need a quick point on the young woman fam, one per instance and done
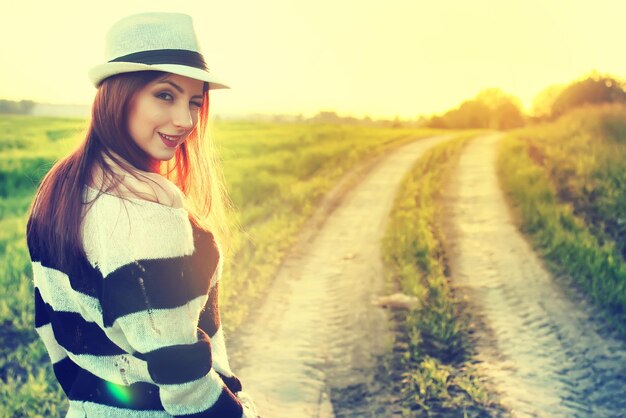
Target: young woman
(124, 235)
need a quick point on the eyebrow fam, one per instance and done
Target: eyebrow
(177, 87)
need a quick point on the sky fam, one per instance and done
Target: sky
(391, 58)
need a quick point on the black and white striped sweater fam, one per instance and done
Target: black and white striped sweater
(134, 329)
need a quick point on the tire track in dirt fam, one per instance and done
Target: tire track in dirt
(313, 347)
(541, 345)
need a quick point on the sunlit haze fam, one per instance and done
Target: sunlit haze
(377, 58)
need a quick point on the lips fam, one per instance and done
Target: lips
(171, 141)
(172, 138)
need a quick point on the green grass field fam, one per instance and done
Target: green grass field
(276, 174)
(566, 182)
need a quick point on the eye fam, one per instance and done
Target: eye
(162, 96)
(196, 104)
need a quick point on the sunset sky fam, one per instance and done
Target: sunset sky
(378, 58)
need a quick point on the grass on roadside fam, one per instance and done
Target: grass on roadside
(435, 352)
(546, 172)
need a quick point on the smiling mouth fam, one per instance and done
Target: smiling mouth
(171, 138)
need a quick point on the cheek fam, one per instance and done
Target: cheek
(147, 120)
(152, 113)
(155, 118)
(196, 117)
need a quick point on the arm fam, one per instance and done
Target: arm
(164, 334)
(211, 324)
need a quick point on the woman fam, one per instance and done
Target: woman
(123, 236)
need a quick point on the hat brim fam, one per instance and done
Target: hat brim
(102, 71)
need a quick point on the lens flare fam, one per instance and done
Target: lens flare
(120, 393)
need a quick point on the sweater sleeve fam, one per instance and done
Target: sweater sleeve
(148, 295)
(210, 324)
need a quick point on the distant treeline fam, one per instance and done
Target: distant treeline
(489, 109)
(24, 107)
(495, 109)
(333, 118)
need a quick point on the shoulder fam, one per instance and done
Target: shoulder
(139, 184)
(153, 187)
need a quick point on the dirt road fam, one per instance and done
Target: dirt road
(546, 352)
(312, 347)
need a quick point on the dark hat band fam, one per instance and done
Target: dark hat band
(166, 56)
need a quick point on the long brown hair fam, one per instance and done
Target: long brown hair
(56, 211)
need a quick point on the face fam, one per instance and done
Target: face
(163, 113)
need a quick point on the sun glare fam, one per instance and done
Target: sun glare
(400, 58)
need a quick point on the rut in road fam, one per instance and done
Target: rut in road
(543, 347)
(312, 348)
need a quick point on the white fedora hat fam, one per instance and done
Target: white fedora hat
(157, 42)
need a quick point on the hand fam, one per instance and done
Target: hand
(247, 401)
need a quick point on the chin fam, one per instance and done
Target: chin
(162, 157)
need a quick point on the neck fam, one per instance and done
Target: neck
(117, 173)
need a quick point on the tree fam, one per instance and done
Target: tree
(491, 108)
(471, 114)
(594, 89)
(505, 109)
(542, 105)
(21, 107)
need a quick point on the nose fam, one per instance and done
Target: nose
(183, 117)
